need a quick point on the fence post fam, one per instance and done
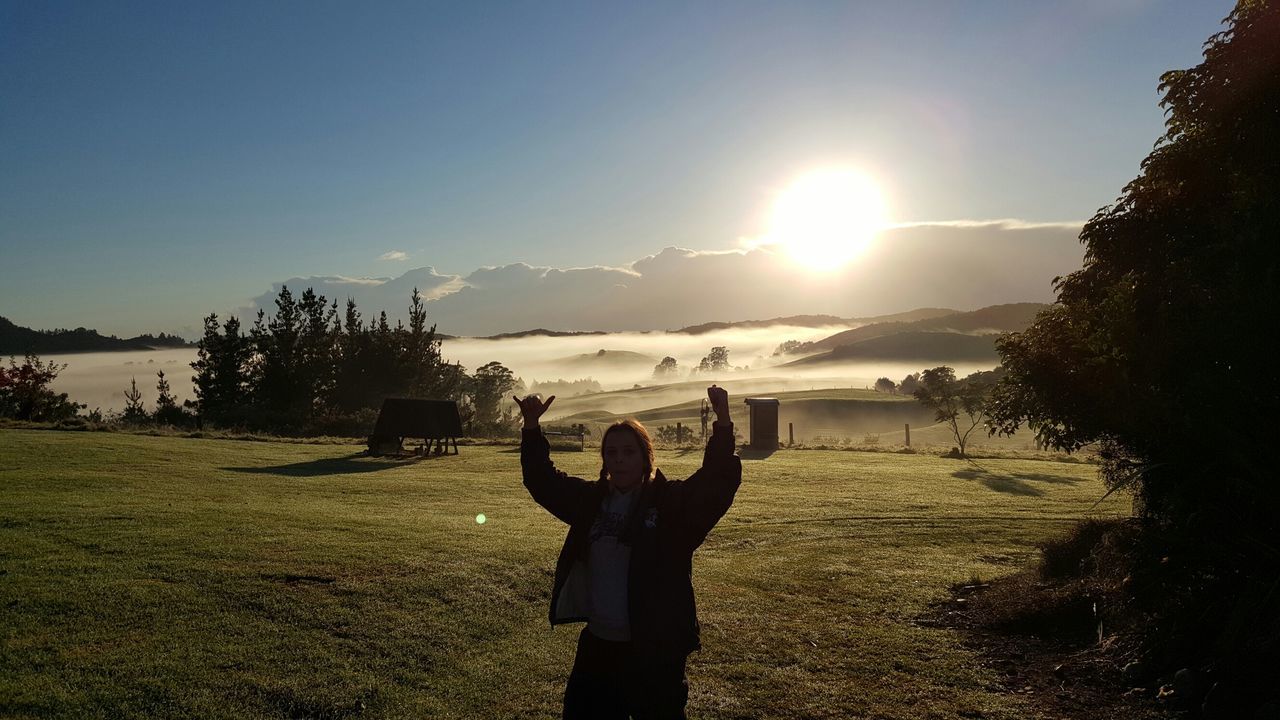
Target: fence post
(908, 428)
(791, 434)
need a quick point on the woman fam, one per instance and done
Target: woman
(626, 565)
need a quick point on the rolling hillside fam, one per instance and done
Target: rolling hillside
(18, 340)
(821, 320)
(917, 346)
(832, 411)
(1013, 317)
(605, 360)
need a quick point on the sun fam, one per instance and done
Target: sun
(827, 218)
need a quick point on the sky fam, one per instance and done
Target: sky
(569, 165)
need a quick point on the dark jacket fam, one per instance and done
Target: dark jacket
(669, 521)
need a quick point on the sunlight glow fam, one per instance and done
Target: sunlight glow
(827, 218)
(480, 519)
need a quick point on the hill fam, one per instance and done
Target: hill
(605, 360)
(18, 340)
(819, 321)
(911, 346)
(812, 413)
(539, 332)
(639, 399)
(1013, 317)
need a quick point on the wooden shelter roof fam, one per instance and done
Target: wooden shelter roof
(414, 418)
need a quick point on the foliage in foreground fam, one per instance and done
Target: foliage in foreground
(1160, 330)
(25, 393)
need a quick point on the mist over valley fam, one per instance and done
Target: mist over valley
(823, 374)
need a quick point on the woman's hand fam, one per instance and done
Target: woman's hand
(531, 408)
(719, 398)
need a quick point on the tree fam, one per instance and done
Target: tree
(909, 384)
(348, 392)
(425, 368)
(492, 383)
(788, 346)
(25, 392)
(1153, 352)
(317, 371)
(134, 412)
(961, 404)
(665, 369)
(222, 373)
(715, 361)
(884, 384)
(1158, 330)
(565, 388)
(168, 412)
(278, 381)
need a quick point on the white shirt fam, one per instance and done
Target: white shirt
(608, 561)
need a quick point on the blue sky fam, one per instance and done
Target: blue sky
(159, 161)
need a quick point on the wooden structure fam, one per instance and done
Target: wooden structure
(578, 431)
(432, 421)
(763, 413)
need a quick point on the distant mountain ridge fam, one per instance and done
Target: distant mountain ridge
(537, 332)
(967, 336)
(922, 346)
(18, 340)
(1012, 317)
(820, 320)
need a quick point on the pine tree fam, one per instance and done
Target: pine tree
(278, 386)
(167, 410)
(134, 413)
(222, 365)
(423, 362)
(349, 387)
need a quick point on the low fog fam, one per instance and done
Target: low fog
(100, 379)
(751, 357)
(543, 358)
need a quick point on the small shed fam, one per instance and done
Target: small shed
(763, 414)
(432, 421)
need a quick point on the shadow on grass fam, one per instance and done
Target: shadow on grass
(747, 453)
(352, 464)
(1018, 483)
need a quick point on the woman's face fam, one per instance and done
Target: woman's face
(623, 460)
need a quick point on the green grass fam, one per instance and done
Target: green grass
(173, 577)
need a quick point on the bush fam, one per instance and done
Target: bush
(355, 424)
(1073, 555)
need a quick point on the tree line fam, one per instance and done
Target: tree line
(310, 369)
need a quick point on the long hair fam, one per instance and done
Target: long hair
(642, 439)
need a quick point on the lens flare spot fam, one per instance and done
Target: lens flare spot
(480, 519)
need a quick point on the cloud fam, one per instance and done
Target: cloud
(962, 265)
(394, 255)
(371, 294)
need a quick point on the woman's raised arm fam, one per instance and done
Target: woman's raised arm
(550, 487)
(709, 491)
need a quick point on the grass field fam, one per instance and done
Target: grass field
(172, 577)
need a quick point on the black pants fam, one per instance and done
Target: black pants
(610, 680)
